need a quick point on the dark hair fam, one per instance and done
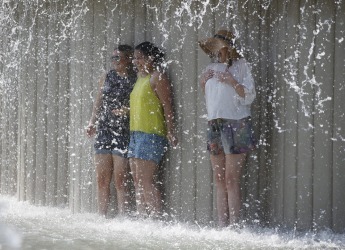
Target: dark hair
(126, 49)
(150, 50)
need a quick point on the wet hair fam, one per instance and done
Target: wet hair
(157, 54)
(125, 49)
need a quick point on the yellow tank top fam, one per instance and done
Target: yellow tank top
(146, 110)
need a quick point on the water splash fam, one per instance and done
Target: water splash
(44, 227)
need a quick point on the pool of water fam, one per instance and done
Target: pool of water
(24, 226)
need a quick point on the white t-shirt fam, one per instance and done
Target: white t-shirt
(222, 101)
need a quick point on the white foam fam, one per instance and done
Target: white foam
(55, 228)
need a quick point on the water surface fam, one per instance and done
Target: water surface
(24, 226)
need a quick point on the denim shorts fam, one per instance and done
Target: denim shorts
(230, 136)
(150, 147)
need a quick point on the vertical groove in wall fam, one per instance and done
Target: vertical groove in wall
(8, 99)
(291, 111)
(204, 177)
(279, 116)
(263, 130)
(174, 168)
(21, 146)
(332, 118)
(323, 113)
(297, 62)
(31, 109)
(312, 110)
(41, 106)
(339, 119)
(271, 22)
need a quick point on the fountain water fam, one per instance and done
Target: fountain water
(56, 228)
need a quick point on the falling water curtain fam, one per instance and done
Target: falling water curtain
(53, 52)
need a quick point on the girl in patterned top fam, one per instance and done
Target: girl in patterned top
(110, 123)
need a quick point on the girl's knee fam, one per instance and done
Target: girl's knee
(103, 182)
(148, 184)
(120, 182)
(232, 181)
(220, 181)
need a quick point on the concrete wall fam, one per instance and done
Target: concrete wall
(52, 55)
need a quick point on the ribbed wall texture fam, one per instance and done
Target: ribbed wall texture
(53, 53)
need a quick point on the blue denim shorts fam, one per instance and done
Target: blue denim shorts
(230, 136)
(148, 147)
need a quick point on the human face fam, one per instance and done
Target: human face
(142, 62)
(120, 61)
(223, 55)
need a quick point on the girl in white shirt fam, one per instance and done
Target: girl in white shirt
(229, 91)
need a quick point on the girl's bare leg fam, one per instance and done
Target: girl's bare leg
(218, 165)
(139, 196)
(121, 178)
(145, 171)
(234, 164)
(104, 171)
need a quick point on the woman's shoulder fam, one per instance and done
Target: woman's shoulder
(158, 76)
(242, 62)
(159, 79)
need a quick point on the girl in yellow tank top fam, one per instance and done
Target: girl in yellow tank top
(151, 126)
(147, 114)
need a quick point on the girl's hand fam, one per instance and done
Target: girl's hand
(120, 112)
(225, 77)
(90, 130)
(172, 139)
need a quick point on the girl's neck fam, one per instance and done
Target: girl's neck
(143, 74)
(231, 61)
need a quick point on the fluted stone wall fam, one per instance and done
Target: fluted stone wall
(53, 52)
